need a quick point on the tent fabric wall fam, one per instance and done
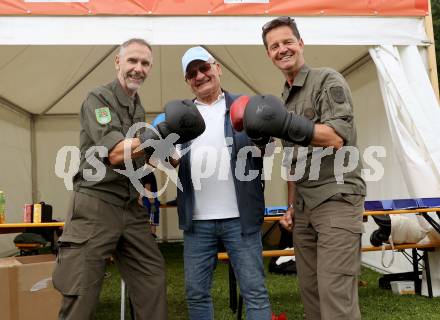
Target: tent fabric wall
(373, 130)
(53, 133)
(412, 112)
(15, 168)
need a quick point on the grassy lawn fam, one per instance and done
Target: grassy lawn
(375, 303)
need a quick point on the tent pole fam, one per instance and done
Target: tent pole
(432, 65)
(346, 71)
(57, 115)
(224, 64)
(85, 75)
(161, 77)
(5, 103)
(33, 161)
(14, 107)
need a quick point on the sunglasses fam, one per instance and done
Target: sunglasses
(203, 68)
(278, 21)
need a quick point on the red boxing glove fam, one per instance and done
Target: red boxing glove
(237, 112)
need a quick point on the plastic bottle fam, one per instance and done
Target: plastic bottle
(2, 207)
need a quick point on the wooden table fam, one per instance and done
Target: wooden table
(21, 227)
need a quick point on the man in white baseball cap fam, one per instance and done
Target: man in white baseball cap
(221, 208)
(195, 53)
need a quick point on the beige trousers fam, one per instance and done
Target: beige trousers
(327, 243)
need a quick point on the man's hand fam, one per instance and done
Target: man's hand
(287, 221)
(174, 160)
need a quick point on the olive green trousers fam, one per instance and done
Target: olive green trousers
(95, 231)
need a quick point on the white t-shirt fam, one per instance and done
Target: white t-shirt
(211, 174)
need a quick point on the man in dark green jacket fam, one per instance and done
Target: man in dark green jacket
(105, 219)
(325, 204)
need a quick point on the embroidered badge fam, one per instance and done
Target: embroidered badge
(338, 94)
(103, 115)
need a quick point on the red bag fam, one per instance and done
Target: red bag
(281, 316)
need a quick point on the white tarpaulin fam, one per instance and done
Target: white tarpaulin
(413, 112)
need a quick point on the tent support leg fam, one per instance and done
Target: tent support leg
(33, 161)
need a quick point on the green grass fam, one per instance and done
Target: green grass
(375, 303)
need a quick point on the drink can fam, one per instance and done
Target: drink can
(37, 213)
(27, 213)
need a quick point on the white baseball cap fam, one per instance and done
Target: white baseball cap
(195, 53)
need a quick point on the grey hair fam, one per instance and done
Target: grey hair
(131, 41)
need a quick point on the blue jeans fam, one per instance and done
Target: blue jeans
(200, 260)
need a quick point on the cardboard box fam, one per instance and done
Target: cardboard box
(403, 287)
(26, 290)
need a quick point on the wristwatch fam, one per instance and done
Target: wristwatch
(290, 206)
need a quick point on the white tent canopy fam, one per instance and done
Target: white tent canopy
(47, 65)
(216, 30)
(73, 61)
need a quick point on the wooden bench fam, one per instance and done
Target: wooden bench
(397, 247)
(415, 247)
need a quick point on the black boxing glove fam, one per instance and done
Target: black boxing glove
(382, 234)
(266, 116)
(180, 117)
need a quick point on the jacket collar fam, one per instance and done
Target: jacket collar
(122, 97)
(299, 81)
(228, 99)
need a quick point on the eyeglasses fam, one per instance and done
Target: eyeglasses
(278, 21)
(203, 68)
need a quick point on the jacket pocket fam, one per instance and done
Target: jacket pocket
(347, 223)
(345, 255)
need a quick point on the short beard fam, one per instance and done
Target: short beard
(134, 86)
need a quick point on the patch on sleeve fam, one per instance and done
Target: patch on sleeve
(338, 94)
(103, 115)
